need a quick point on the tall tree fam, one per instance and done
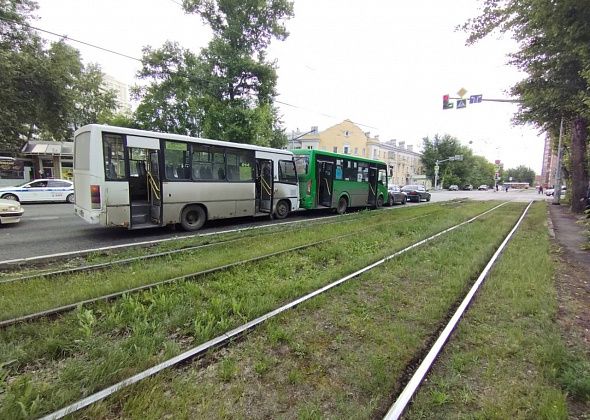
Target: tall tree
(521, 174)
(238, 81)
(44, 92)
(554, 51)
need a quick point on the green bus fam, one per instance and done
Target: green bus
(336, 181)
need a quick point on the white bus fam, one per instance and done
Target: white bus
(139, 179)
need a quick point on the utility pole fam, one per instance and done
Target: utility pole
(557, 186)
(436, 167)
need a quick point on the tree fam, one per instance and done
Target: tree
(554, 51)
(43, 91)
(227, 91)
(521, 174)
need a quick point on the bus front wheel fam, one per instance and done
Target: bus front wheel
(379, 202)
(342, 205)
(192, 218)
(282, 209)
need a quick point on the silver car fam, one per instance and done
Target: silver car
(40, 190)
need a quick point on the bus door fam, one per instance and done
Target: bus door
(372, 199)
(264, 185)
(154, 186)
(325, 179)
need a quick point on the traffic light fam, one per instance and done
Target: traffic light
(446, 103)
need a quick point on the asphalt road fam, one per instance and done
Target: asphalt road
(47, 229)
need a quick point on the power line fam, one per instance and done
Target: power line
(66, 37)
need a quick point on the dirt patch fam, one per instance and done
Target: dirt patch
(573, 284)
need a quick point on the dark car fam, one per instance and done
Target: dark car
(416, 193)
(396, 195)
(468, 187)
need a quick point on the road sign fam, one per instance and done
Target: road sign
(462, 92)
(461, 103)
(475, 99)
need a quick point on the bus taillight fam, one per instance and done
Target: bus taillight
(95, 196)
(309, 187)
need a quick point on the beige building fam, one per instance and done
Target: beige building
(121, 91)
(404, 164)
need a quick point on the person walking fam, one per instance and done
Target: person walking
(540, 189)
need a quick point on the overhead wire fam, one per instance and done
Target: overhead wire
(66, 37)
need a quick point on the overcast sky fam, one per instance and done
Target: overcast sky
(383, 64)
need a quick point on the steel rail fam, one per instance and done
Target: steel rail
(190, 276)
(397, 409)
(6, 263)
(97, 266)
(224, 338)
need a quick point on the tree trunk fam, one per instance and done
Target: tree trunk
(579, 171)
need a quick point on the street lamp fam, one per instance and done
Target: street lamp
(436, 167)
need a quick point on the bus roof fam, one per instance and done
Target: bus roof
(171, 136)
(335, 155)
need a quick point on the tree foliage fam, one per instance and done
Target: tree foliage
(227, 91)
(554, 52)
(520, 174)
(44, 91)
(474, 170)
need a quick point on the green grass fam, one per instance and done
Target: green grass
(506, 358)
(97, 346)
(29, 296)
(340, 355)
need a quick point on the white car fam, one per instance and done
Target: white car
(10, 211)
(41, 190)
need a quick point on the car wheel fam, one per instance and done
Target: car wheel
(10, 197)
(192, 218)
(379, 202)
(70, 198)
(391, 201)
(282, 209)
(342, 205)
(404, 200)
(427, 198)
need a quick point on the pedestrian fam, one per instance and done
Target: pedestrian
(540, 189)
(496, 187)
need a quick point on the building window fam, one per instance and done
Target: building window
(364, 152)
(309, 147)
(356, 150)
(335, 149)
(347, 133)
(346, 149)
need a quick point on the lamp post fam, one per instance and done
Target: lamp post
(436, 167)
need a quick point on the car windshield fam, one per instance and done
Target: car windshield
(410, 187)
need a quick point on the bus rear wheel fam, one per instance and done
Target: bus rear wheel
(342, 205)
(282, 209)
(192, 218)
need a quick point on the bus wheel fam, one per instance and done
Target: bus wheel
(192, 218)
(342, 205)
(282, 209)
(379, 202)
(70, 198)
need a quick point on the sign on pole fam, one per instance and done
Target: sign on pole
(461, 103)
(475, 99)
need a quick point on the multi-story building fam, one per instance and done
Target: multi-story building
(404, 164)
(549, 168)
(121, 90)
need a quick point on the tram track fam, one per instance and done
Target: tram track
(429, 356)
(130, 260)
(236, 332)
(191, 276)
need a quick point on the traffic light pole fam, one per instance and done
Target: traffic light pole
(436, 167)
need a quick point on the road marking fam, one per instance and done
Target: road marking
(43, 218)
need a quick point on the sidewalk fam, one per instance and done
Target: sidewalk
(572, 277)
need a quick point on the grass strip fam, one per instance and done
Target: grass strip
(95, 347)
(18, 299)
(506, 358)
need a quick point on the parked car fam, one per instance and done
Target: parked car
(10, 211)
(416, 193)
(454, 188)
(550, 191)
(396, 195)
(468, 187)
(40, 190)
(483, 188)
